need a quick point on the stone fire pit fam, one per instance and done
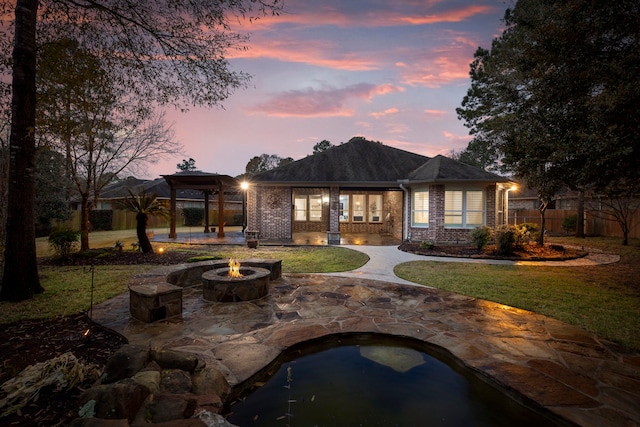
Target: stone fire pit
(218, 286)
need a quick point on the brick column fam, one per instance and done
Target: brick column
(333, 235)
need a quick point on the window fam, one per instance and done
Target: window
(344, 208)
(375, 208)
(358, 208)
(300, 208)
(361, 208)
(463, 208)
(420, 211)
(315, 208)
(307, 208)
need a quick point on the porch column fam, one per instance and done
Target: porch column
(173, 213)
(333, 235)
(206, 211)
(220, 210)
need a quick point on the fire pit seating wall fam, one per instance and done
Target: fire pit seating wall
(157, 295)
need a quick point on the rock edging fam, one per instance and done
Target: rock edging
(142, 386)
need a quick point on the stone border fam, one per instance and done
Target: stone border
(157, 295)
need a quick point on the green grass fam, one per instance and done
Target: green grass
(603, 299)
(321, 259)
(68, 291)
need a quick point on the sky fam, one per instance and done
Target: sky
(392, 71)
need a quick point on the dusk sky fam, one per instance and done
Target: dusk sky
(390, 71)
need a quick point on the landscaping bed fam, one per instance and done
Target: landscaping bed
(529, 252)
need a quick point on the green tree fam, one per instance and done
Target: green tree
(97, 127)
(265, 162)
(187, 165)
(143, 205)
(169, 52)
(322, 146)
(550, 101)
(52, 186)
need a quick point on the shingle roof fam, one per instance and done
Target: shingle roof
(357, 161)
(444, 169)
(159, 187)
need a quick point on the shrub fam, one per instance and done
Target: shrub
(193, 216)
(480, 236)
(525, 233)
(506, 240)
(63, 241)
(426, 245)
(569, 223)
(101, 220)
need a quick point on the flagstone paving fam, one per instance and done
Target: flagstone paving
(571, 372)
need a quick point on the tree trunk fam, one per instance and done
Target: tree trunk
(141, 231)
(84, 223)
(20, 278)
(543, 227)
(580, 216)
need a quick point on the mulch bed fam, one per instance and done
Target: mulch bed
(530, 252)
(29, 342)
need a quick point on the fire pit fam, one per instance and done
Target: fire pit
(235, 283)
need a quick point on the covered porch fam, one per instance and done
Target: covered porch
(234, 236)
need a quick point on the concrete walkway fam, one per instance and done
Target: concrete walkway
(383, 259)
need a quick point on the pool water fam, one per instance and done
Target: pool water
(378, 385)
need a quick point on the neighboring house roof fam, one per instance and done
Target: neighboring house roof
(159, 187)
(356, 162)
(444, 169)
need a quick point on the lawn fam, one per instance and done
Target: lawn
(603, 299)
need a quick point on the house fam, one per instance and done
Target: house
(367, 187)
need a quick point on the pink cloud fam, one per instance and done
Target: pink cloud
(328, 102)
(455, 15)
(388, 14)
(321, 53)
(386, 112)
(436, 113)
(440, 66)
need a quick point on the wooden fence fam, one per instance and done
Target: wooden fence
(123, 220)
(594, 226)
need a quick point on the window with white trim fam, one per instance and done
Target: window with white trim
(375, 207)
(300, 208)
(361, 208)
(315, 208)
(359, 204)
(307, 208)
(344, 208)
(464, 208)
(420, 208)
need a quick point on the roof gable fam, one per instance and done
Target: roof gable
(357, 161)
(441, 169)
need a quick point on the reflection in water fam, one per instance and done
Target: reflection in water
(373, 385)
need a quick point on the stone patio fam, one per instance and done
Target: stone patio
(567, 370)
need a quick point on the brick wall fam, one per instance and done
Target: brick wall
(269, 212)
(436, 232)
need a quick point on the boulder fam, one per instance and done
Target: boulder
(171, 359)
(120, 400)
(125, 363)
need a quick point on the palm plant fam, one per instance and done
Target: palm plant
(144, 205)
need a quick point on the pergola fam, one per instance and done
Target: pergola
(208, 183)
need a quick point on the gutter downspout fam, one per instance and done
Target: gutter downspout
(405, 211)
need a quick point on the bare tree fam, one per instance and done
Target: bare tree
(170, 52)
(620, 209)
